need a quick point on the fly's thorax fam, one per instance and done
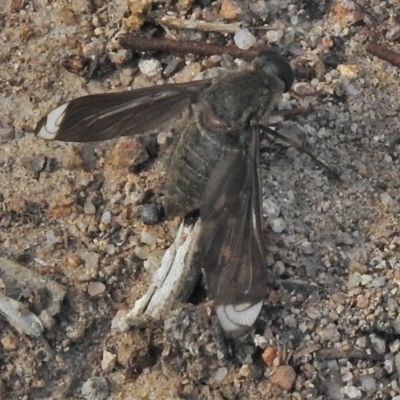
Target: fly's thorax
(243, 96)
(203, 143)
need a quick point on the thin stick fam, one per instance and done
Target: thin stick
(314, 93)
(294, 112)
(178, 23)
(302, 149)
(335, 354)
(138, 43)
(384, 53)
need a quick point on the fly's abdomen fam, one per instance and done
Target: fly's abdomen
(195, 157)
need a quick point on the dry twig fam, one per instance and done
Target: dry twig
(384, 53)
(336, 354)
(138, 43)
(170, 21)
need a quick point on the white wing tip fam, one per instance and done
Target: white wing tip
(238, 318)
(48, 128)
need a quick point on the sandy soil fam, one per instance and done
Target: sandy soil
(70, 214)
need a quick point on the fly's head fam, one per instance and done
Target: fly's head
(273, 64)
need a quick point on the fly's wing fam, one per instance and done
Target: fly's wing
(106, 116)
(230, 241)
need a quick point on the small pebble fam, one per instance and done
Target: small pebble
(362, 301)
(353, 392)
(329, 333)
(284, 377)
(271, 208)
(347, 377)
(150, 214)
(110, 249)
(368, 383)
(244, 370)
(9, 343)
(397, 362)
(95, 388)
(327, 41)
(378, 344)
(51, 238)
(96, 288)
(307, 248)
(325, 206)
(91, 261)
(106, 217)
(394, 346)
(393, 34)
(220, 374)
(313, 312)
(260, 341)
(46, 319)
(279, 268)
(354, 280)
(269, 355)
(378, 281)
(120, 57)
(151, 67)
(89, 207)
(148, 238)
(229, 9)
(274, 36)
(349, 71)
(345, 238)
(142, 252)
(75, 333)
(389, 365)
(244, 39)
(365, 279)
(355, 266)
(128, 152)
(386, 199)
(290, 321)
(119, 321)
(278, 225)
(73, 260)
(108, 360)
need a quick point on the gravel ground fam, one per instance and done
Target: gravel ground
(69, 214)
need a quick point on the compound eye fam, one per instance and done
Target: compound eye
(286, 74)
(273, 62)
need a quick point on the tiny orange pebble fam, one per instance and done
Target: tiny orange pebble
(269, 355)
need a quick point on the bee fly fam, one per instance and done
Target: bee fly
(214, 167)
